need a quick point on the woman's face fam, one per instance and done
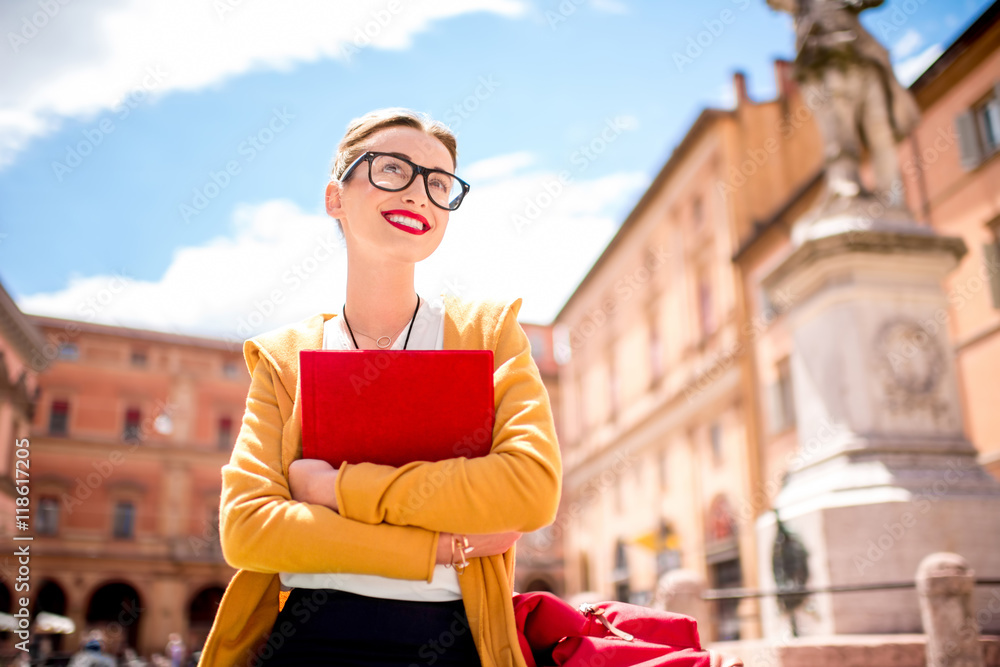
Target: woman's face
(366, 213)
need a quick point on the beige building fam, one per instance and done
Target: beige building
(657, 415)
(677, 415)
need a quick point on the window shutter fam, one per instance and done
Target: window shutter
(968, 140)
(991, 253)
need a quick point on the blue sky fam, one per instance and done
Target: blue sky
(118, 121)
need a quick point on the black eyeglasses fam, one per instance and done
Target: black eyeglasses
(392, 173)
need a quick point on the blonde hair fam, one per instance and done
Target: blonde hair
(359, 129)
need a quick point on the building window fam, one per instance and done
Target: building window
(47, 518)
(705, 317)
(991, 255)
(230, 370)
(69, 352)
(697, 212)
(139, 358)
(212, 529)
(539, 350)
(715, 436)
(225, 433)
(124, 520)
(584, 571)
(655, 355)
(988, 120)
(620, 573)
(59, 418)
(979, 130)
(132, 430)
(781, 403)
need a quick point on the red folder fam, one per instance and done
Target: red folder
(393, 407)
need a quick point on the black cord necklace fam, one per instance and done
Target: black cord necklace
(405, 342)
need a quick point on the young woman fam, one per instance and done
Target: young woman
(376, 578)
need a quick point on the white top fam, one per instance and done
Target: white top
(428, 334)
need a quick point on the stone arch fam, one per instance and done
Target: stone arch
(201, 613)
(116, 608)
(539, 583)
(6, 599)
(51, 598)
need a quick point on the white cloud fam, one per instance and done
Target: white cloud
(907, 44)
(908, 70)
(281, 264)
(88, 57)
(497, 167)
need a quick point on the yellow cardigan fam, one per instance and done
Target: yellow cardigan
(388, 523)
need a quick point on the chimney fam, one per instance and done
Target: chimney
(784, 78)
(740, 88)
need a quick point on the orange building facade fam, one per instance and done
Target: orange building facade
(129, 434)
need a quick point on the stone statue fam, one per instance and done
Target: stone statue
(862, 105)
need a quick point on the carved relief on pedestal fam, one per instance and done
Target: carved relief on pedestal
(911, 365)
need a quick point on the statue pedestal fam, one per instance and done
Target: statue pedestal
(884, 474)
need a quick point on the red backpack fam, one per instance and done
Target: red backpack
(551, 632)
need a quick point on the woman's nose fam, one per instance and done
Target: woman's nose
(416, 193)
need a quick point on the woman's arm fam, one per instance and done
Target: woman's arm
(313, 481)
(264, 530)
(514, 488)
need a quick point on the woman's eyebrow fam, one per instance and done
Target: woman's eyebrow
(407, 157)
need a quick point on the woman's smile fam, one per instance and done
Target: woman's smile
(408, 221)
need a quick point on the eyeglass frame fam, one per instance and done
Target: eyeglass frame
(418, 170)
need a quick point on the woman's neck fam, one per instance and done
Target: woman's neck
(380, 298)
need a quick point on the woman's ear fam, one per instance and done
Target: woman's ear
(334, 207)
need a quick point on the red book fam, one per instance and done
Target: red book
(393, 407)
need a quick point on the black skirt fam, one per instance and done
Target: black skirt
(331, 627)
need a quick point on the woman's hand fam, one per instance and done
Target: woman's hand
(492, 544)
(313, 481)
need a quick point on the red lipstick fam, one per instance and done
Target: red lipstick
(409, 215)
